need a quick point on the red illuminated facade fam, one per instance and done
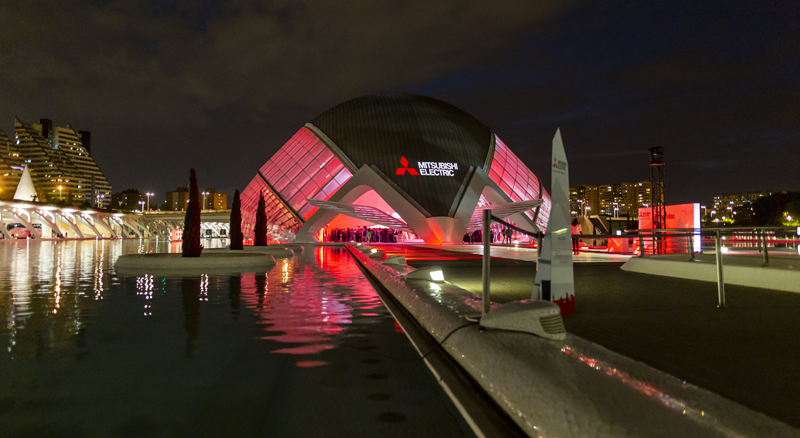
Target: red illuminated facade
(518, 182)
(303, 168)
(430, 162)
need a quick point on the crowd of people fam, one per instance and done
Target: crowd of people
(503, 235)
(366, 235)
(499, 234)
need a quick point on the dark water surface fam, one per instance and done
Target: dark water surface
(306, 349)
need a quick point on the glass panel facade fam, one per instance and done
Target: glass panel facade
(517, 181)
(303, 168)
(277, 213)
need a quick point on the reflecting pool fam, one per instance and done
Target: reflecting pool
(305, 349)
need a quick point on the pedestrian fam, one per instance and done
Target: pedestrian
(576, 229)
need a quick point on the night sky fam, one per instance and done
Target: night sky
(221, 85)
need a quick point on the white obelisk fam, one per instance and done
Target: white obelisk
(554, 276)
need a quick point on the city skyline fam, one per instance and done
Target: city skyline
(165, 87)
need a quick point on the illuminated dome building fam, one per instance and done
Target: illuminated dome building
(407, 162)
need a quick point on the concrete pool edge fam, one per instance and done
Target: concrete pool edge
(571, 388)
(484, 416)
(209, 261)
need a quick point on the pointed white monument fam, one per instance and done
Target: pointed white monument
(554, 276)
(25, 190)
(554, 290)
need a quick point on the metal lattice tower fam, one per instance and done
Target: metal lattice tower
(658, 208)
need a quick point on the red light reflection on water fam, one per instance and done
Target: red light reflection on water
(308, 302)
(310, 363)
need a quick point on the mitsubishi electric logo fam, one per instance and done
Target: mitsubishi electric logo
(558, 164)
(428, 168)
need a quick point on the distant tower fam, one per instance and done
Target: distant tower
(658, 208)
(86, 139)
(47, 130)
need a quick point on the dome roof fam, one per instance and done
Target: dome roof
(381, 130)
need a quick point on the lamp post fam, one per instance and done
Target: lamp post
(148, 200)
(204, 200)
(141, 206)
(59, 194)
(587, 211)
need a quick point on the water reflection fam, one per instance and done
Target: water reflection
(41, 290)
(144, 287)
(234, 291)
(190, 291)
(49, 292)
(147, 355)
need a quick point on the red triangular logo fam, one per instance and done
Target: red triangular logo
(402, 170)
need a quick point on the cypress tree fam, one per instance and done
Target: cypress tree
(191, 222)
(261, 223)
(237, 238)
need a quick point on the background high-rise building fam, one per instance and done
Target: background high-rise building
(129, 200)
(61, 166)
(177, 200)
(10, 167)
(612, 200)
(213, 200)
(584, 200)
(210, 199)
(735, 200)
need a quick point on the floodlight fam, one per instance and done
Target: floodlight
(431, 273)
(656, 155)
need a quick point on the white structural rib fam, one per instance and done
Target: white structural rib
(501, 211)
(363, 212)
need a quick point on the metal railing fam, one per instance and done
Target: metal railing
(683, 241)
(689, 241)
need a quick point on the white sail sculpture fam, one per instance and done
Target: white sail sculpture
(25, 190)
(554, 276)
(554, 289)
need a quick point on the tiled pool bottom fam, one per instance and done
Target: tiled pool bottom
(306, 349)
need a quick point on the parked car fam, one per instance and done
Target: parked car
(19, 231)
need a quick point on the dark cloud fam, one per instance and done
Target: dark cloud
(220, 85)
(163, 81)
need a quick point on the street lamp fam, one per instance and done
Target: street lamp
(587, 211)
(141, 204)
(148, 200)
(59, 194)
(204, 200)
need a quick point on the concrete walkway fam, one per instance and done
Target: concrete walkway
(747, 353)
